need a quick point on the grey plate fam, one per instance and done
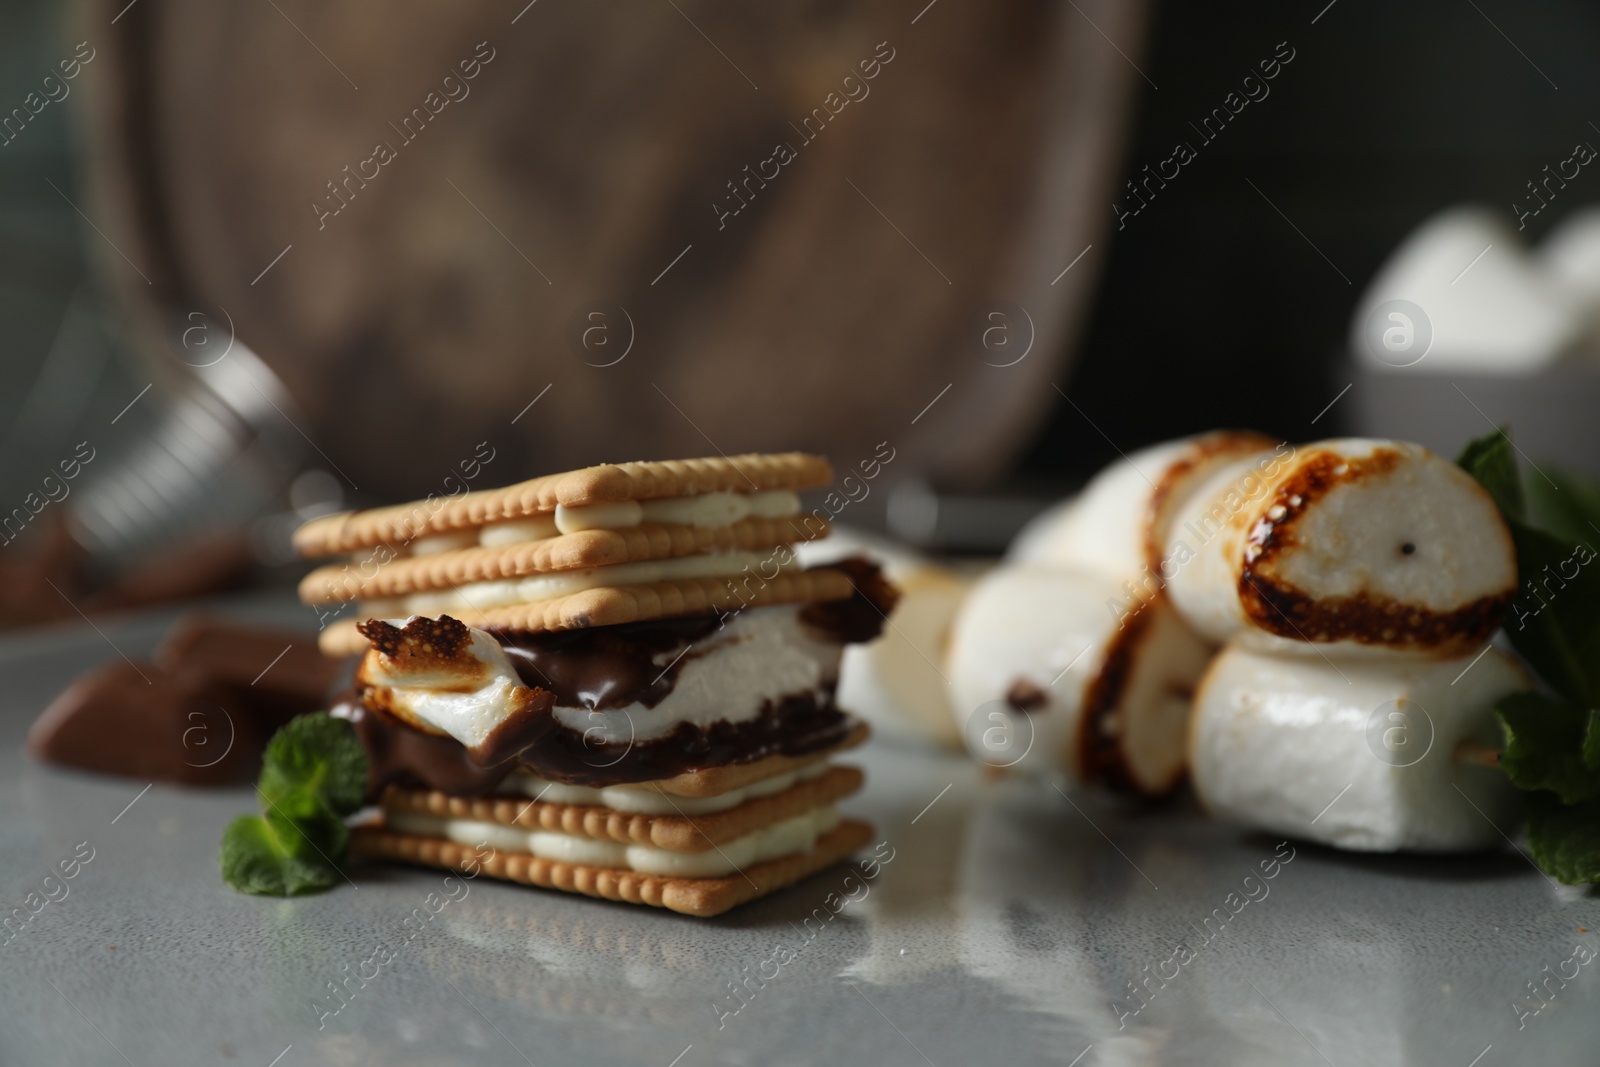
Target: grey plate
(1006, 928)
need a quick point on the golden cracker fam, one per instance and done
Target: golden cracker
(676, 833)
(615, 605)
(400, 524)
(576, 551)
(702, 897)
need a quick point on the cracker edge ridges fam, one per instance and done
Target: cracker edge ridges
(615, 605)
(341, 582)
(675, 833)
(701, 897)
(350, 531)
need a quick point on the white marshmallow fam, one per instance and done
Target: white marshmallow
(1034, 651)
(465, 696)
(895, 681)
(1349, 542)
(1361, 755)
(1118, 524)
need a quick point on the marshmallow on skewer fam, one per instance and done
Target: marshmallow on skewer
(1118, 717)
(1118, 525)
(1050, 673)
(1370, 754)
(1366, 544)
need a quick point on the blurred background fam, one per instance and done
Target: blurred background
(687, 228)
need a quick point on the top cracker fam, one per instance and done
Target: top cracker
(606, 484)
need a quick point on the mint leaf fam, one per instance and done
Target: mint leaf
(314, 766)
(314, 773)
(1565, 504)
(1554, 621)
(1565, 838)
(1492, 461)
(1546, 747)
(1552, 745)
(268, 859)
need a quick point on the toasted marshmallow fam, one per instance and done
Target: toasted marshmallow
(1361, 543)
(443, 677)
(1118, 524)
(1116, 529)
(1049, 672)
(1361, 755)
(894, 681)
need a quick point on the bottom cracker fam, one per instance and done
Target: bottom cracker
(689, 896)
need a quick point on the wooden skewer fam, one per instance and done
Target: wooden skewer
(1476, 753)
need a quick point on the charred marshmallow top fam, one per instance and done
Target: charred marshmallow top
(440, 684)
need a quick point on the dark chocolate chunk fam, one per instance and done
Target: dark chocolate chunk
(139, 721)
(275, 675)
(200, 715)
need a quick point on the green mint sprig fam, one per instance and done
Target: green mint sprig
(1552, 749)
(314, 774)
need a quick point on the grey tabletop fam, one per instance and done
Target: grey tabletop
(1005, 923)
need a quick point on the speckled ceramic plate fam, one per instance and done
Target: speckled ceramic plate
(1006, 926)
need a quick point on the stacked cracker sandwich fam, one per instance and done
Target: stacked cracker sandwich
(617, 681)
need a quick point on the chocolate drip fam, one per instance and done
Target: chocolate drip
(793, 726)
(860, 617)
(398, 753)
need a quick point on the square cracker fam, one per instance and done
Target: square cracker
(340, 582)
(689, 896)
(608, 483)
(676, 833)
(615, 605)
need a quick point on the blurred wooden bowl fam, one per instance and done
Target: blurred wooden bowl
(578, 172)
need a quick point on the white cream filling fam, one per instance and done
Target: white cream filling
(445, 542)
(707, 510)
(640, 799)
(467, 703)
(784, 838)
(480, 596)
(535, 528)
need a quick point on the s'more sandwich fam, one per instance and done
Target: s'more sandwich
(617, 681)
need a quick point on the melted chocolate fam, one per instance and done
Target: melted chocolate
(793, 726)
(860, 617)
(610, 667)
(607, 666)
(400, 754)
